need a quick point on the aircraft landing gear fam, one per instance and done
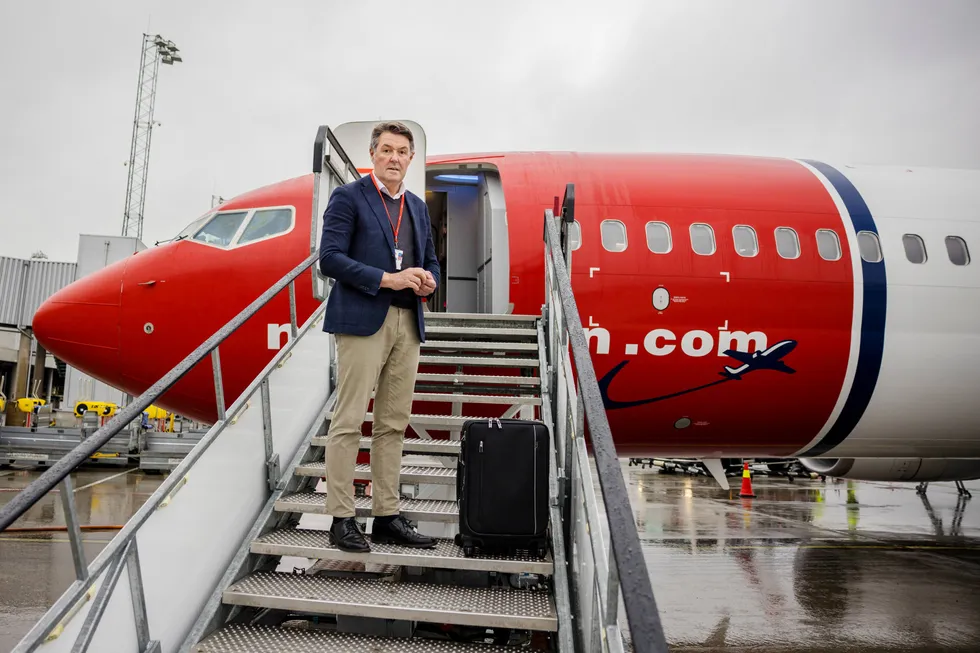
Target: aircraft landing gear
(921, 488)
(962, 490)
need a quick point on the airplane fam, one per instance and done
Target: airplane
(770, 359)
(678, 260)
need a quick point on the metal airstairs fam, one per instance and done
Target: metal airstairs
(231, 553)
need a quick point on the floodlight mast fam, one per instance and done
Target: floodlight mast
(156, 50)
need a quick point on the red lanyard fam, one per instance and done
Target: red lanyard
(401, 208)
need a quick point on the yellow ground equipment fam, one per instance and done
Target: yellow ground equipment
(102, 408)
(27, 404)
(153, 412)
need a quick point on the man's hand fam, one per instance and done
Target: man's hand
(428, 285)
(410, 278)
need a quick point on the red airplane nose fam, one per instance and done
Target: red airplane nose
(80, 323)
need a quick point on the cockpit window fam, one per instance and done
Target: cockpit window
(221, 229)
(192, 228)
(266, 223)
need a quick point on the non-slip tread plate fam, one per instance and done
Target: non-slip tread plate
(409, 473)
(310, 543)
(415, 509)
(476, 345)
(480, 361)
(443, 330)
(429, 420)
(437, 317)
(409, 445)
(475, 606)
(485, 379)
(239, 638)
(447, 397)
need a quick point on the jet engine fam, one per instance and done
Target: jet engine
(896, 469)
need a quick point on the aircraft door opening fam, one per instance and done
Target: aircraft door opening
(470, 235)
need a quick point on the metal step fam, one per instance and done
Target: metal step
(490, 379)
(438, 317)
(466, 331)
(430, 421)
(469, 345)
(409, 445)
(503, 400)
(239, 638)
(308, 543)
(410, 473)
(315, 503)
(482, 361)
(441, 604)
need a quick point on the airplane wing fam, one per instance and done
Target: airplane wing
(740, 356)
(780, 366)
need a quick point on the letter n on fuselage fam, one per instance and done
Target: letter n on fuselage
(602, 337)
(276, 332)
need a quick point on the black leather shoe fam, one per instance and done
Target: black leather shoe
(397, 530)
(346, 535)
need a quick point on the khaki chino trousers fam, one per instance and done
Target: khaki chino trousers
(388, 360)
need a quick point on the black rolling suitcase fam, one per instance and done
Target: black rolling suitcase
(502, 485)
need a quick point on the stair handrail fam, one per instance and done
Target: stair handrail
(55, 474)
(627, 569)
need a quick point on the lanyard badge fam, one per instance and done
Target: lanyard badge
(399, 253)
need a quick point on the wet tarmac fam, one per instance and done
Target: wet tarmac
(36, 567)
(810, 566)
(804, 567)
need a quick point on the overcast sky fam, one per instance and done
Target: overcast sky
(884, 81)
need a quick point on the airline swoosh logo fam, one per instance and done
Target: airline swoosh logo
(770, 359)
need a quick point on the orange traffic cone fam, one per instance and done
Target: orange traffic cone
(746, 482)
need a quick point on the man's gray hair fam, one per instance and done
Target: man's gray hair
(399, 128)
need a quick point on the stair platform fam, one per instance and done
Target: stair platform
(239, 638)
(442, 604)
(409, 474)
(309, 543)
(315, 503)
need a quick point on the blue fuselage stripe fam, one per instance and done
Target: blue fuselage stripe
(872, 345)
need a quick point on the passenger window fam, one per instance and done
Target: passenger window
(746, 242)
(787, 243)
(658, 237)
(915, 249)
(828, 246)
(958, 252)
(266, 223)
(613, 234)
(575, 235)
(869, 246)
(221, 229)
(702, 239)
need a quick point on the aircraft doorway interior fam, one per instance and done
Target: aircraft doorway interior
(469, 231)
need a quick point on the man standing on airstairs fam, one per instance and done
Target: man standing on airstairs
(377, 244)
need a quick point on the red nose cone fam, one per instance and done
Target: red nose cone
(80, 323)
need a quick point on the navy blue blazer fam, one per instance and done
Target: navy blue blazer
(357, 245)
